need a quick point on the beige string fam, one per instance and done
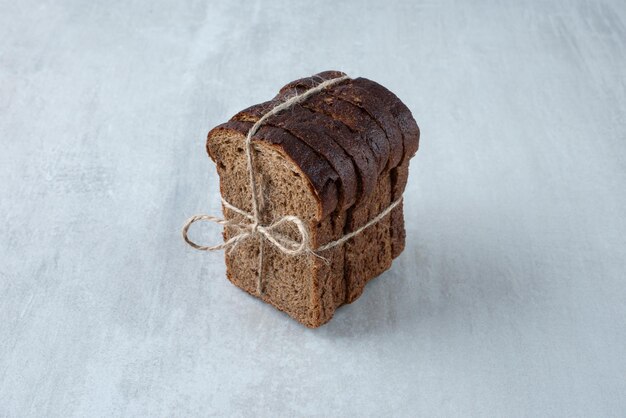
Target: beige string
(282, 242)
(247, 230)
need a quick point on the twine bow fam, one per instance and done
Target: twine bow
(280, 241)
(254, 228)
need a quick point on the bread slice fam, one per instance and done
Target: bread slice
(331, 166)
(303, 286)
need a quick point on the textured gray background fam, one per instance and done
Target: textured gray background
(510, 299)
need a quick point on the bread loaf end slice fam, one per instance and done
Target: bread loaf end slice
(306, 287)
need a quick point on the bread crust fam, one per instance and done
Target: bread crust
(361, 125)
(400, 112)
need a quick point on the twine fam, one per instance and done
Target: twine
(253, 227)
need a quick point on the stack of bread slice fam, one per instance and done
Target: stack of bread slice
(335, 160)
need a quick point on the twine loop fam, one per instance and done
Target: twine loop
(253, 228)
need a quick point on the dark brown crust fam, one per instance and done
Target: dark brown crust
(303, 122)
(365, 143)
(403, 116)
(296, 122)
(404, 127)
(367, 137)
(399, 176)
(321, 176)
(355, 119)
(371, 104)
(379, 111)
(375, 102)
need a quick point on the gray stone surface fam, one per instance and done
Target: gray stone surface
(510, 299)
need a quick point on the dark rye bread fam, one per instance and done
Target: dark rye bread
(402, 115)
(370, 253)
(372, 98)
(374, 106)
(379, 108)
(410, 140)
(409, 132)
(352, 93)
(362, 157)
(393, 116)
(324, 135)
(359, 127)
(307, 288)
(297, 122)
(355, 119)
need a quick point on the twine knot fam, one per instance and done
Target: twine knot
(254, 228)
